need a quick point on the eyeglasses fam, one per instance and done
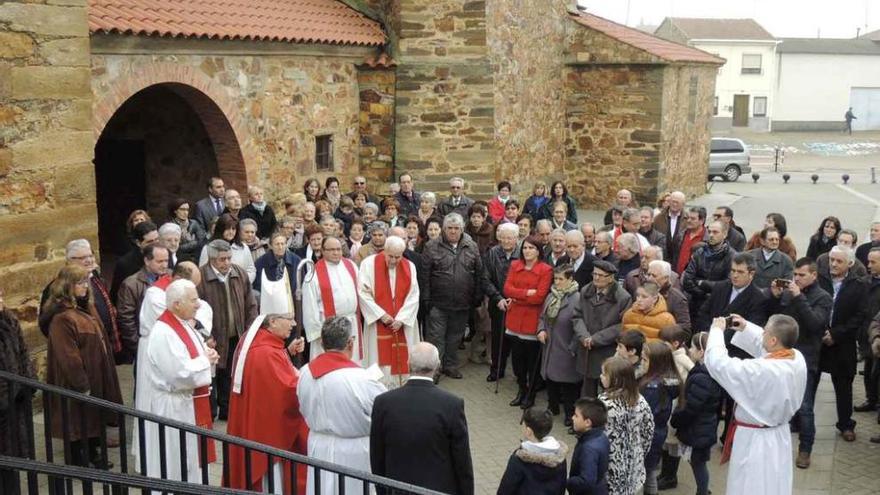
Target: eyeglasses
(359, 183)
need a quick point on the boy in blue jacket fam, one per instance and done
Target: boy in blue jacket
(589, 463)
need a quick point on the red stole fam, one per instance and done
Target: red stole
(201, 395)
(392, 351)
(328, 362)
(727, 448)
(327, 296)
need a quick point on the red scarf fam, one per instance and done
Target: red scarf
(727, 449)
(327, 296)
(114, 326)
(392, 351)
(684, 253)
(201, 395)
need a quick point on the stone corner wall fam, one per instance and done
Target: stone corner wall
(613, 118)
(588, 46)
(376, 89)
(688, 92)
(46, 148)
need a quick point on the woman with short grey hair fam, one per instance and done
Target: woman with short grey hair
(427, 206)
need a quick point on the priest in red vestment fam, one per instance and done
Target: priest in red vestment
(263, 405)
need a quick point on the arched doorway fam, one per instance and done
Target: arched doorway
(163, 142)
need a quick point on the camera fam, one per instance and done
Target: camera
(728, 321)
(781, 283)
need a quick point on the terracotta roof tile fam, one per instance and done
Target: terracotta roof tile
(720, 29)
(295, 21)
(666, 50)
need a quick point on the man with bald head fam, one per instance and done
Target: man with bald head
(389, 296)
(670, 220)
(331, 290)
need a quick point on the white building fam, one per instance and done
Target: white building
(818, 79)
(744, 90)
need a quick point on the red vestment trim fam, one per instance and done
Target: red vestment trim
(327, 296)
(163, 282)
(392, 351)
(328, 362)
(201, 395)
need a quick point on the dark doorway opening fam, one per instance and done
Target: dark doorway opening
(159, 145)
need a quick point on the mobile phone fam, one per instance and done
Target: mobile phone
(781, 283)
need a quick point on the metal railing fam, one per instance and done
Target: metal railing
(61, 476)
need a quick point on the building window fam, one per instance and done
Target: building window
(759, 106)
(324, 152)
(751, 63)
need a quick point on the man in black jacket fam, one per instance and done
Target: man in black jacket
(838, 354)
(737, 295)
(452, 283)
(419, 434)
(810, 306)
(709, 265)
(862, 250)
(576, 254)
(496, 263)
(872, 307)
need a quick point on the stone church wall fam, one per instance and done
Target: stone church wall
(46, 144)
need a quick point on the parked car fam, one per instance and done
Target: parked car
(729, 158)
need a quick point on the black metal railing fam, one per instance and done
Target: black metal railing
(61, 477)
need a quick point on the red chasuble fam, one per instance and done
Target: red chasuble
(327, 296)
(392, 345)
(266, 411)
(201, 395)
(163, 282)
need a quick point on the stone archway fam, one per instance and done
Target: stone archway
(160, 142)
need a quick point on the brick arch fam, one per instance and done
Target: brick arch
(209, 101)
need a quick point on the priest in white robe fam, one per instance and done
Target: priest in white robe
(389, 293)
(336, 399)
(152, 308)
(179, 367)
(331, 290)
(768, 391)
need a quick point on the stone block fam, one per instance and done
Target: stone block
(78, 184)
(439, 117)
(471, 157)
(15, 45)
(70, 52)
(51, 149)
(78, 115)
(645, 136)
(5, 161)
(50, 83)
(50, 20)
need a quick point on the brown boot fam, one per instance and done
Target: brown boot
(803, 460)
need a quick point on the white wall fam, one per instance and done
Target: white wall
(732, 82)
(816, 88)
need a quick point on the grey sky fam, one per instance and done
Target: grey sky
(783, 18)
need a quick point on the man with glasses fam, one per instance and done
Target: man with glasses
(457, 202)
(597, 316)
(79, 251)
(359, 185)
(735, 237)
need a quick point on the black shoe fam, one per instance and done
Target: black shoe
(461, 346)
(454, 374)
(667, 483)
(865, 407)
(518, 400)
(527, 402)
(492, 377)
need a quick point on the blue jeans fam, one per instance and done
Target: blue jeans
(701, 477)
(806, 414)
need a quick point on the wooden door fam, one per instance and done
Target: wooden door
(740, 110)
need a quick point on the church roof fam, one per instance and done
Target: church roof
(663, 49)
(293, 21)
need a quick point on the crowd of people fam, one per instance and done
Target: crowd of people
(324, 329)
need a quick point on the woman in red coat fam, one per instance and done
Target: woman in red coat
(527, 285)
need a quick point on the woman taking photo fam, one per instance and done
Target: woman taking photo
(555, 333)
(825, 237)
(79, 358)
(226, 228)
(528, 282)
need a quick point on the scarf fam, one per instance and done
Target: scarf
(557, 296)
(260, 207)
